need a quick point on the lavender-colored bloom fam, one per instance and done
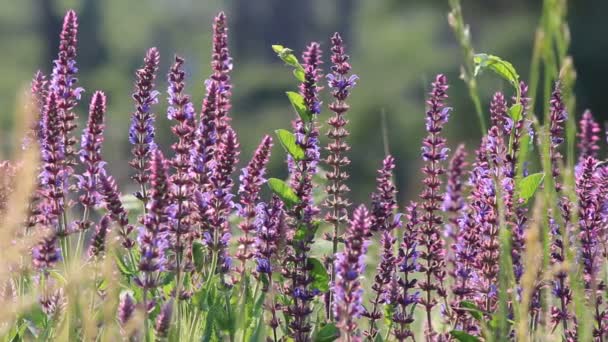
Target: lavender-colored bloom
(453, 200)
(384, 201)
(182, 111)
(47, 252)
(221, 63)
(560, 289)
(205, 138)
(53, 177)
(588, 137)
(63, 84)
(407, 265)
(90, 153)
(152, 236)
(39, 92)
(163, 320)
(116, 211)
(557, 117)
(98, 243)
(350, 266)
(252, 179)
(336, 203)
(309, 89)
(126, 308)
(430, 236)
(141, 131)
(270, 225)
(498, 113)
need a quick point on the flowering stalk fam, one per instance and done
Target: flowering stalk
(98, 241)
(498, 113)
(252, 179)
(407, 265)
(111, 200)
(90, 156)
(340, 83)
(303, 213)
(588, 137)
(205, 138)
(153, 235)
(182, 111)
(141, 131)
(430, 237)
(39, 91)
(350, 266)
(383, 220)
(270, 223)
(221, 63)
(217, 203)
(63, 83)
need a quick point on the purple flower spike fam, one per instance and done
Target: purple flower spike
(270, 224)
(558, 117)
(111, 200)
(141, 132)
(63, 84)
(498, 113)
(252, 178)
(205, 138)
(126, 308)
(163, 320)
(98, 244)
(350, 266)
(384, 200)
(406, 298)
(182, 111)
(153, 235)
(90, 153)
(39, 91)
(221, 63)
(588, 137)
(309, 89)
(430, 237)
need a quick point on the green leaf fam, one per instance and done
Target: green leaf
(463, 337)
(501, 67)
(327, 333)
(198, 255)
(287, 56)
(515, 112)
(320, 277)
(527, 186)
(122, 266)
(303, 232)
(281, 189)
(472, 309)
(288, 141)
(299, 74)
(297, 101)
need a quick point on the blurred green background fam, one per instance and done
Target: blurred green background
(397, 46)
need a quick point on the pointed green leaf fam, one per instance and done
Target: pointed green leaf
(122, 266)
(501, 67)
(320, 277)
(327, 333)
(299, 74)
(297, 101)
(288, 141)
(281, 189)
(515, 112)
(527, 186)
(463, 337)
(472, 309)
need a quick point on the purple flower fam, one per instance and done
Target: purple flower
(153, 235)
(557, 117)
(205, 138)
(98, 243)
(116, 211)
(588, 137)
(47, 252)
(407, 265)
(350, 266)
(384, 200)
(270, 224)
(163, 320)
(182, 111)
(126, 308)
(39, 91)
(90, 153)
(141, 131)
(252, 178)
(498, 113)
(309, 89)
(430, 236)
(63, 83)
(221, 63)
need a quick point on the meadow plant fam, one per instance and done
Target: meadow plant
(488, 251)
